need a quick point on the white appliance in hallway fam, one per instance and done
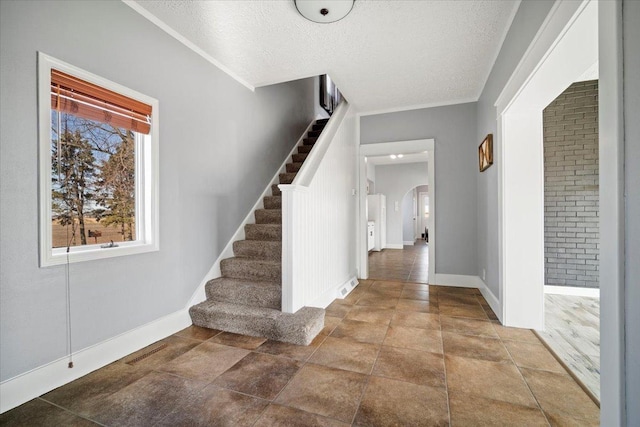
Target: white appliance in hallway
(377, 212)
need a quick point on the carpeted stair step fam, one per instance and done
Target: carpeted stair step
(254, 293)
(258, 249)
(318, 126)
(322, 121)
(287, 178)
(263, 232)
(304, 149)
(251, 269)
(272, 202)
(294, 167)
(299, 158)
(275, 190)
(268, 216)
(298, 328)
(309, 141)
(313, 133)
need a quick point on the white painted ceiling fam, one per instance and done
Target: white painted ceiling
(385, 55)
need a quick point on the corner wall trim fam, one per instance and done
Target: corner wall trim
(24, 387)
(464, 281)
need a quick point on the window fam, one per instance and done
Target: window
(98, 166)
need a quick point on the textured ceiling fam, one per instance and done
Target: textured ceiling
(384, 55)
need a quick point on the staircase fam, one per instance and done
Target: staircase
(247, 298)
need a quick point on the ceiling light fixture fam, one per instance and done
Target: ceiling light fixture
(324, 11)
(400, 156)
(393, 156)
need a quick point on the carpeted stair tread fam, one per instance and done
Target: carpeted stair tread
(258, 249)
(268, 216)
(294, 167)
(322, 121)
(263, 232)
(252, 269)
(296, 328)
(299, 158)
(254, 293)
(287, 178)
(318, 126)
(275, 190)
(313, 133)
(309, 141)
(304, 149)
(272, 202)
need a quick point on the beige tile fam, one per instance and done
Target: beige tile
(330, 392)
(335, 309)
(259, 375)
(417, 305)
(371, 314)
(213, 406)
(559, 420)
(474, 411)
(197, 333)
(380, 301)
(298, 352)
(282, 416)
(237, 340)
(531, 355)
(516, 334)
(389, 402)
(343, 353)
(418, 287)
(413, 366)
(469, 311)
(330, 323)
(490, 380)
(560, 394)
(475, 347)
(37, 412)
(418, 295)
(464, 326)
(458, 299)
(161, 352)
(373, 333)
(414, 338)
(205, 362)
(416, 320)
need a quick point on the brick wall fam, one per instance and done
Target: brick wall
(571, 187)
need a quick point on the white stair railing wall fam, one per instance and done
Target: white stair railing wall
(319, 211)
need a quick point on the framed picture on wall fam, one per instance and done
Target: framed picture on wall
(485, 153)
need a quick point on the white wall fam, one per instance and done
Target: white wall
(319, 219)
(456, 163)
(219, 146)
(394, 181)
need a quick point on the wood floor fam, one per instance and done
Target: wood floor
(572, 330)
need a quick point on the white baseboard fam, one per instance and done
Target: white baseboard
(393, 246)
(24, 387)
(572, 290)
(408, 242)
(339, 291)
(464, 281)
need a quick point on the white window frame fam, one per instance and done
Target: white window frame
(147, 174)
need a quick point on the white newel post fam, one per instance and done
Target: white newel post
(294, 198)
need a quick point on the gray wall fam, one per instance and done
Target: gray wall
(394, 181)
(219, 145)
(408, 215)
(571, 237)
(454, 130)
(525, 25)
(631, 18)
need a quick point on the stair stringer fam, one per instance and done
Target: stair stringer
(199, 295)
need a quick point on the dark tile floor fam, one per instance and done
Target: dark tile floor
(409, 264)
(391, 353)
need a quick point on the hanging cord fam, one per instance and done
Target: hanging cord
(67, 274)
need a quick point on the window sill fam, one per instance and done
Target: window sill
(94, 252)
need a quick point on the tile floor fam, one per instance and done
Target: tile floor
(409, 264)
(391, 353)
(572, 330)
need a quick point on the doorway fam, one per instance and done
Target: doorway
(425, 149)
